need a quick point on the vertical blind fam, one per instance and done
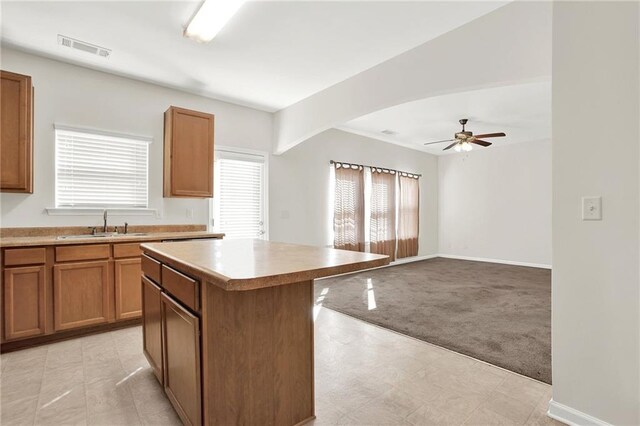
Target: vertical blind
(96, 169)
(240, 196)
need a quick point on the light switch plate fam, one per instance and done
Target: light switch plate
(592, 208)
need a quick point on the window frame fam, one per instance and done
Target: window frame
(242, 153)
(93, 210)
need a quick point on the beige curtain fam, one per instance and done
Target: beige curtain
(408, 216)
(348, 213)
(383, 213)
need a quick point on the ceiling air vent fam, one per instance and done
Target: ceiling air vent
(83, 46)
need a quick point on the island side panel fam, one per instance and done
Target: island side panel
(258, 355)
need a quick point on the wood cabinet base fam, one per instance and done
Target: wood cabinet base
(257, 355)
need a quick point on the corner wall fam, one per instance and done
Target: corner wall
(496, 203)
(596, 264)
(299, 195)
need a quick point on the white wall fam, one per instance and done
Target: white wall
(596, 264)
(300, 185)
(76, 96)
(496, 203)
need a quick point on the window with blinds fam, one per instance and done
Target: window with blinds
(240, 195)
(101, 170)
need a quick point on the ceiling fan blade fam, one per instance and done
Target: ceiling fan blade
(446, 140)
(489, 135)
(479, 142)
(451, 146)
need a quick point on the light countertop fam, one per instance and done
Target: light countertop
(252, 264)
(52, 240)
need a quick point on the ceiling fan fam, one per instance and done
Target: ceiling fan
(462, 140)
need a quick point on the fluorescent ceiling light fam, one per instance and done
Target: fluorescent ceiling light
(212, 16)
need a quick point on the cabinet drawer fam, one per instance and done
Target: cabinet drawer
(126, 250)
(24, 256)
(151, 268)
(84, 252)
(181, 287)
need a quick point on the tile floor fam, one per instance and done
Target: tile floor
(365, 375)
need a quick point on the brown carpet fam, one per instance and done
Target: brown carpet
(497, 313)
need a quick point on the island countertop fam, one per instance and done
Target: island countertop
(248, 264)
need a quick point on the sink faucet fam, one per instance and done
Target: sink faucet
(104, 216)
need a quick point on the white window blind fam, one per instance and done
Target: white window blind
(97, 169)
(240, 195)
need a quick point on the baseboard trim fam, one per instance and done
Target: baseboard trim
(571, 416)
(506, 262)
(412, 259)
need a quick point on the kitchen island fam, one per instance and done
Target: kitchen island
(228, 326)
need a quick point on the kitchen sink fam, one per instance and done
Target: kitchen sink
(100, 235)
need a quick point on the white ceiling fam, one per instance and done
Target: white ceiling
(270, 55)
(522, 111)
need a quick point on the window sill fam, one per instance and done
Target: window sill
(83, 211)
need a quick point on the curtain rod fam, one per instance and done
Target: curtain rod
(375, 167)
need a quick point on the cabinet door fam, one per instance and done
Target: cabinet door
(80, 294)
(127, 288)
(152, 326)
(16, 143)
(24, 302)
(181, 331)
(188, 153)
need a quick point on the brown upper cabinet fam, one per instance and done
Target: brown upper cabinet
(188, 153)
(16, 134)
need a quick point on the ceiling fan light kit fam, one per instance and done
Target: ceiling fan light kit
(462, 146)
(462, 140)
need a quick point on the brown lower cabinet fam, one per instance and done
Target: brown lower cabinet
(24, 302)
(171, 343)
(80, 294)
(54, 292)
(171, 338)
(152, 326)
(181, 356)
(127, 288)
